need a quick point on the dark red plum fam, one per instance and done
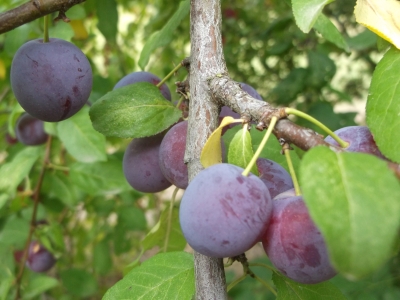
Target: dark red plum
(143, 76)
(274, 176)
(294, 244)
(360, 139)
(30, 130)
(39, 258)
(223, 213)
(251, 91)
(52, 81)
(141, 167)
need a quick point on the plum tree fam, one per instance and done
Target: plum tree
(51, 81)
(294, 244)
(141, 167)
(223, 213)
(39, 258)
(143, 76)
(274, 176)
(30, 130)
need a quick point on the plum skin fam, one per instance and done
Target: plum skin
(223, 213)
(52, 81)
(141, 167)
(39, 258)
(30, 130)
(143, 76)
(294, 244)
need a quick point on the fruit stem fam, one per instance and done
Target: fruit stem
(235, 282)
(169, 75)
(179, 102)
(171, 207)
(261, 146)
(303, 115)
(46, 29)
(286, 150)
(262, 265)
(265, 284)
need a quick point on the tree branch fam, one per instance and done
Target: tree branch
(33, 10)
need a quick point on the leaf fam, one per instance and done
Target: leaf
(133, 111)
(329, 31)
(164, 276)
(107, 15)
(380, 17)
(38, 285)
(291, 290)
(15, 232)
(7, 263)
(211, 153)
(58, 186)
(383, 105)
(165, 35)
(156, 236)
(102, 260)
(306, 12)
(99, 178)
(354, 200)
(131, 218)
(79, 282)
(3, 200)
(241, 151)
(289, 87)
(80, 139)
(14, 171)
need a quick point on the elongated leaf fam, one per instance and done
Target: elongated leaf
(306, 12)
(108, 18)
(241, 151)
(80, 139)
(157, 235)
(133, 111)
(291, 290)
(164, 276)
(59, 186)
(13, 172)
(354, 200)
(383, 105)
(165, 35)
(329, 31)
(39, 284)
(79, 282)
(15, 232)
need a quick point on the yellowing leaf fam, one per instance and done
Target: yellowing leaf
(381, 17)
(79, 29)
(2, 70)
(212, 153)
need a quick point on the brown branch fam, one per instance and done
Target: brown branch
(33, 10)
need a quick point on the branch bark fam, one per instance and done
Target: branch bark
(33, 10)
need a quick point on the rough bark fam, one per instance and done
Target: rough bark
(33, 10)
(206, 60)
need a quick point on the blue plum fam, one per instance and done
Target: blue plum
(39, 258)
(30, 130)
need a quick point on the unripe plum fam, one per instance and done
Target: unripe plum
(51, 81)
(39, 258)
(143, 76)
(359, 138)
(30, 130)
(294, 244)
(141, 167)
(223, 213)
(274, 176)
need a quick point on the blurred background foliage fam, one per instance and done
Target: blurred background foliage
(95, 221)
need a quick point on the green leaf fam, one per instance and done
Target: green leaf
(291, 290)
(289, 87)
(131, 218)
(102, 261)
(3, 199)
(39, 284)
(13, 172)
(329, 31)
(15, 232)
(107, 15)
(306, 12)
(7, 264)
(99, 178)
(58, 186)
(383, 105)
(133, 111)
(80, 139)
(165, 35)
(241, 151)
(79, 282)
(354, 200)
(156, 236)
(164, 276)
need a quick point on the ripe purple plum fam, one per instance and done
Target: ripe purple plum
(141, 167)
(223, 213)
(39, 258)
(251, 91)
(143, 76)
(274, 176)
(360, 139)
(30, 130)
(294, 244)
(52, 81)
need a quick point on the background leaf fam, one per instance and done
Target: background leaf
(306, 12)
(329, 31)
(107, 18)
